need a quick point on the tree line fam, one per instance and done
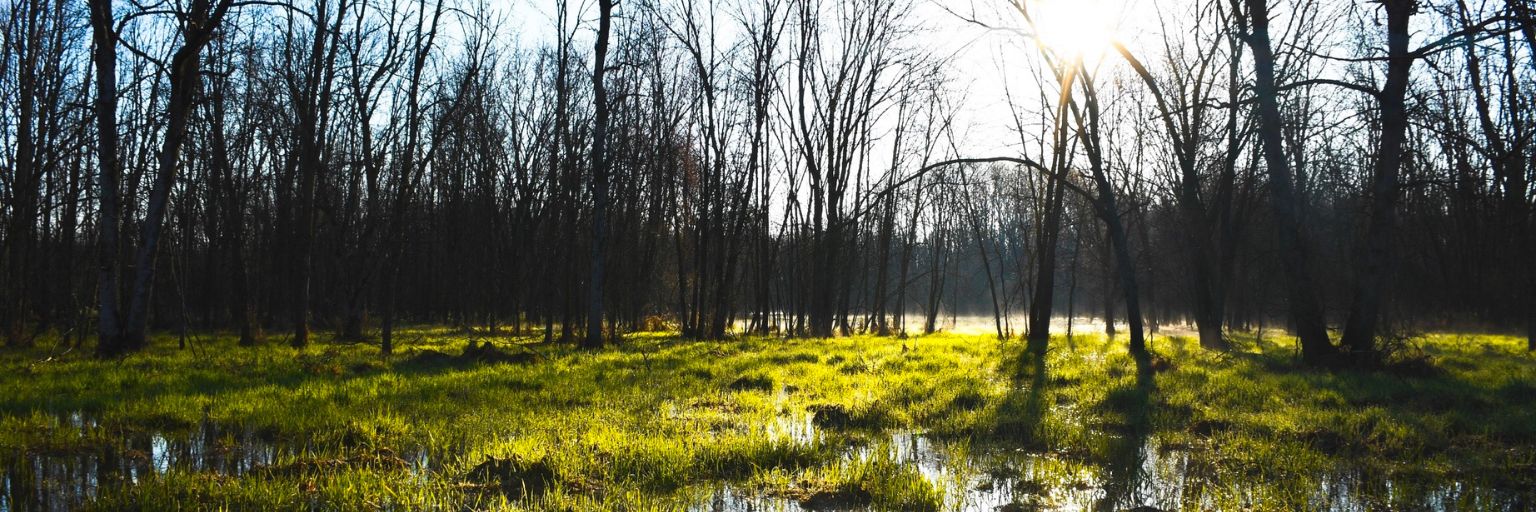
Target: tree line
(1348, 171)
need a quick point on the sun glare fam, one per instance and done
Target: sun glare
(1073, 28)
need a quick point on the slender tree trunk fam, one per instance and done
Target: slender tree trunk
(184, 81)
(304, 257)
(387, 324)
(1045, 277)
(594, 337)
(940, 248)
(1107, 258)
(311, 128)
(1374, 261)
(1306, 312)
(23, 187)
(242, 307)
(1077, 245)
(104, 55)
(1125, 269)
(1530, 312)
(986, 265)
(1109, 212)
(1221, 224)
(882, 266)
(1208, 307)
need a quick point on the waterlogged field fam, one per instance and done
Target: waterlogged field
(945, 422)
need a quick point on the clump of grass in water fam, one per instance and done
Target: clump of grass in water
(514, 477)
(876, 480)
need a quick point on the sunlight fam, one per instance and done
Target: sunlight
(1073, 28)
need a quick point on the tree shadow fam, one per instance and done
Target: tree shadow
(1023, 409)
(1125, 452)
(1021, 422)
(1475, 393)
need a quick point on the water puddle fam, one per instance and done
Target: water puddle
(795, 428)
(66, 478)
(1139, 472)
(1153, 475)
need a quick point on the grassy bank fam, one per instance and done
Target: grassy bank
(931, 423)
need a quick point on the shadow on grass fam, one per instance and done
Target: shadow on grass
(1023, 409)
(1449, 395)
(1125, 452)
(111, 453)
(1024, 420)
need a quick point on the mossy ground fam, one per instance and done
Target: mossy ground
(659, 423)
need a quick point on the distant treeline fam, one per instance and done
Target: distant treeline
(786, 166)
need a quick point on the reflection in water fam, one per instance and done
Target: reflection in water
(1161, 477)
(730, 499)
(66, 479)
(1124, 470)
(1136, 471)
(796, 428)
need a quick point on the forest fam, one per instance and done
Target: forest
(739, 255)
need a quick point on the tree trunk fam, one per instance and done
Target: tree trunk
(1045, 271)
(1374, 261)
(939, 257)
(1077, 246)
(387, 324)
(1109, 212)
(108, 329)
(242, 308)
(1107, 258)
(24, 186)
(594, 337)
(1306, 312)
(313, 108)
(184, 81)
(882, 266)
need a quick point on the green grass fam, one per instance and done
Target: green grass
(665, 424)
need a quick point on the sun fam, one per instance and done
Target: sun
(1073, 28)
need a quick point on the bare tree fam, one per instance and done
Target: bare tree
(594, 337)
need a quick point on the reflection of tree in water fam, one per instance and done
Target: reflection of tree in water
(1023, 409)
(68, 479)
(1125, 450)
